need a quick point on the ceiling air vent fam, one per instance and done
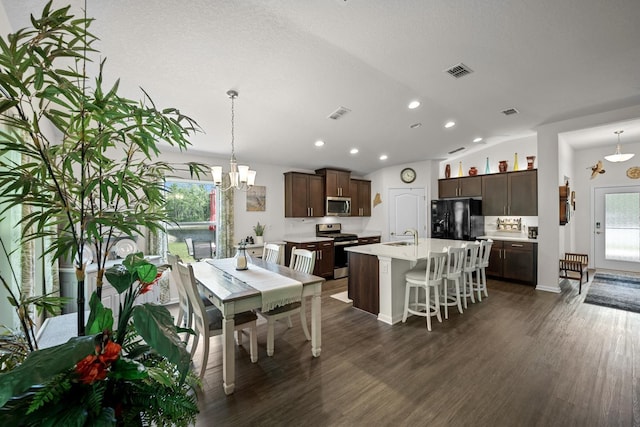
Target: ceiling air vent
(458, 70)
(341, 111)
(510, 111)
(456, 150)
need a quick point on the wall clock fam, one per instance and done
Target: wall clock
(408, 175)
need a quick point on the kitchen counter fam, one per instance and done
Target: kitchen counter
(514, 238)
(365, 234)
(409, 252)
(376, 274)
(306, 239)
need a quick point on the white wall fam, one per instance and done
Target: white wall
(615, 176)
(387, 178)
(566, 170)
(549, 175)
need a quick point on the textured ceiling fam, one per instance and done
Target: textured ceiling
(294, 62)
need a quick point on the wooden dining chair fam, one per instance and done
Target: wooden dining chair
(185, 317)
(301, 260)
(207, 323)
(272, 253)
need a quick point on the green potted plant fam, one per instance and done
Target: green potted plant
(259, 230)
(98, 176)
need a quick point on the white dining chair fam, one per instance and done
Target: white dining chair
(185, 317)
(272, 253)
(428, 280)
(451, 293)
(468, 268)
(207, 323)
(481, 274)
(301, 260)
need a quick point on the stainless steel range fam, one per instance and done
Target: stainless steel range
(340, 242)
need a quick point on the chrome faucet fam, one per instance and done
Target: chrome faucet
(413, 232)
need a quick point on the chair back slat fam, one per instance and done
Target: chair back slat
(454, 261)
(471, 258)
(271, 253)
(183, 297)
(302, 260)
(435, 266)
(201, 323)
(484, 253)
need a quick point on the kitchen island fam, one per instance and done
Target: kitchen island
(376, 274)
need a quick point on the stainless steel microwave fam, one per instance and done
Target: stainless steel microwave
(338, 206)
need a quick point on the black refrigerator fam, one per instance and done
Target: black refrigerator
(458, 219)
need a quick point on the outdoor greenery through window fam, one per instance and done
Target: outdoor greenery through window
(191, 206)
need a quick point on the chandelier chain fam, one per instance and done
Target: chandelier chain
(233, 115)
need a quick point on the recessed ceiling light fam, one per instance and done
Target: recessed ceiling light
(477, 139)
(415, 125)
(354, 151)
(414, 104)
(319, 143)
(449, 124)
(384, 157)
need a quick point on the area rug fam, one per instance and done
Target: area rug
(342, 296)
(616, 291)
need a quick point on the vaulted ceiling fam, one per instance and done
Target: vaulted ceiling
(295, 62)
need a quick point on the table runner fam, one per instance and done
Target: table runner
(276, 290)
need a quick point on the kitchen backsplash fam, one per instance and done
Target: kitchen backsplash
(491, 225)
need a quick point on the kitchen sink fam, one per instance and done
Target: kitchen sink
(400, 243)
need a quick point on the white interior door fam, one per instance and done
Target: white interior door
(617, 228)
(406, 211)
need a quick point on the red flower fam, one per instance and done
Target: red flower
(110, 353)
(94, 367)
(146, 287)
(90, 369)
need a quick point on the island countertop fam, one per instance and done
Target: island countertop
(408, 252)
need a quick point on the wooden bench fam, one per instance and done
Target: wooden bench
(574, 266)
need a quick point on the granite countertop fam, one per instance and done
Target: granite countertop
(515, 238)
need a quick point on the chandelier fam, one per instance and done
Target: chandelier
(240, 176)
(618, 156)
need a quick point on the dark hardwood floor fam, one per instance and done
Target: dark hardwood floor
(518, 358)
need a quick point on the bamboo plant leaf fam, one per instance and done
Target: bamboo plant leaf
(155, 325)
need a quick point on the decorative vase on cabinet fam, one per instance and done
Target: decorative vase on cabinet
(502, 167)
(447, 171)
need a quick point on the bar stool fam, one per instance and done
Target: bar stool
(426, 279)
(451, 287)
(483, 263)
(469, 266)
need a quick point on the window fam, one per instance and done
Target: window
(191, 206)
(622, 220)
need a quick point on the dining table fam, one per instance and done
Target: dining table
(227, 290)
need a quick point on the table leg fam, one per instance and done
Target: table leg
(228, 356)
(316, 317)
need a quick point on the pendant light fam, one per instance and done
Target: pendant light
(618, 156)
(240, 176)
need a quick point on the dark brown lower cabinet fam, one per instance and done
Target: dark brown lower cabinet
(363, 286)
(514, 261)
